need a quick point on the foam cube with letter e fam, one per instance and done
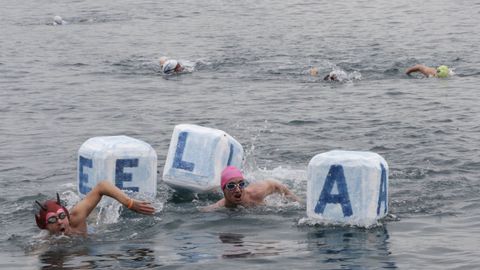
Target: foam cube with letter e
(197, 156)
(347, 187)
(129, 163)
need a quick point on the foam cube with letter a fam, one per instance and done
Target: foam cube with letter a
(197, 156)
(347, 187)
(129, 163)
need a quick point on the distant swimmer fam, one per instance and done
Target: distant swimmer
(55, 217)
(170, 66)
(237, 192)
(440, 72)
(313, 71)
(336, 75)
(329, 77)
(57, 20)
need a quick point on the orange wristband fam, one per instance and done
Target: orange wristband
(130, 204)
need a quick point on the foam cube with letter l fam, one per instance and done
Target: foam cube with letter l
(197, 156)
(347, 187)
(129, 163)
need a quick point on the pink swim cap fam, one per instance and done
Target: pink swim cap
(229, 173)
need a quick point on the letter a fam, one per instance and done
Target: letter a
(335, 174)
(382, 196)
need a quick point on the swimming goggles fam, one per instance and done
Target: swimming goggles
(54, 219)
(232, 186)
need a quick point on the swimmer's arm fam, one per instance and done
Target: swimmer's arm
(276, 187)
(427, 71)
(81, 211)
(214, 206)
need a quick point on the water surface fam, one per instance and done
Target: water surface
(98, 75)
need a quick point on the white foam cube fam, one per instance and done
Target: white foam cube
(130, 164)
(347, 187)
(197, 155)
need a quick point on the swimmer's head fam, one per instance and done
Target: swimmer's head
(45, 210)
(443, 71)
(229, 173)
(57, 20)
(169, 66)
(162, 60)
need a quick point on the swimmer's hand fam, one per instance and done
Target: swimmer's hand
(142, 207)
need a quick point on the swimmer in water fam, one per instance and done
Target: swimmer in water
(335, 75)
(313, 71)
(440, 72)
(329, 77)
(170, 66)
(55, 217)
(57, 20)
(237, 192)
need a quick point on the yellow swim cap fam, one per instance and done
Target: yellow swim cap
(442, 71)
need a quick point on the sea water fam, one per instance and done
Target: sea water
(97, 74)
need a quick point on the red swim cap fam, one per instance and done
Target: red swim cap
(229, 173)
(47, 207)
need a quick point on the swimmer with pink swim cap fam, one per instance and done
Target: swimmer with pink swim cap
(237, 191)
(230, 173)
(54, 217)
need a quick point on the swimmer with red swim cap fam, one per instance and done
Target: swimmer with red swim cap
(55, 217)
(237, 191)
